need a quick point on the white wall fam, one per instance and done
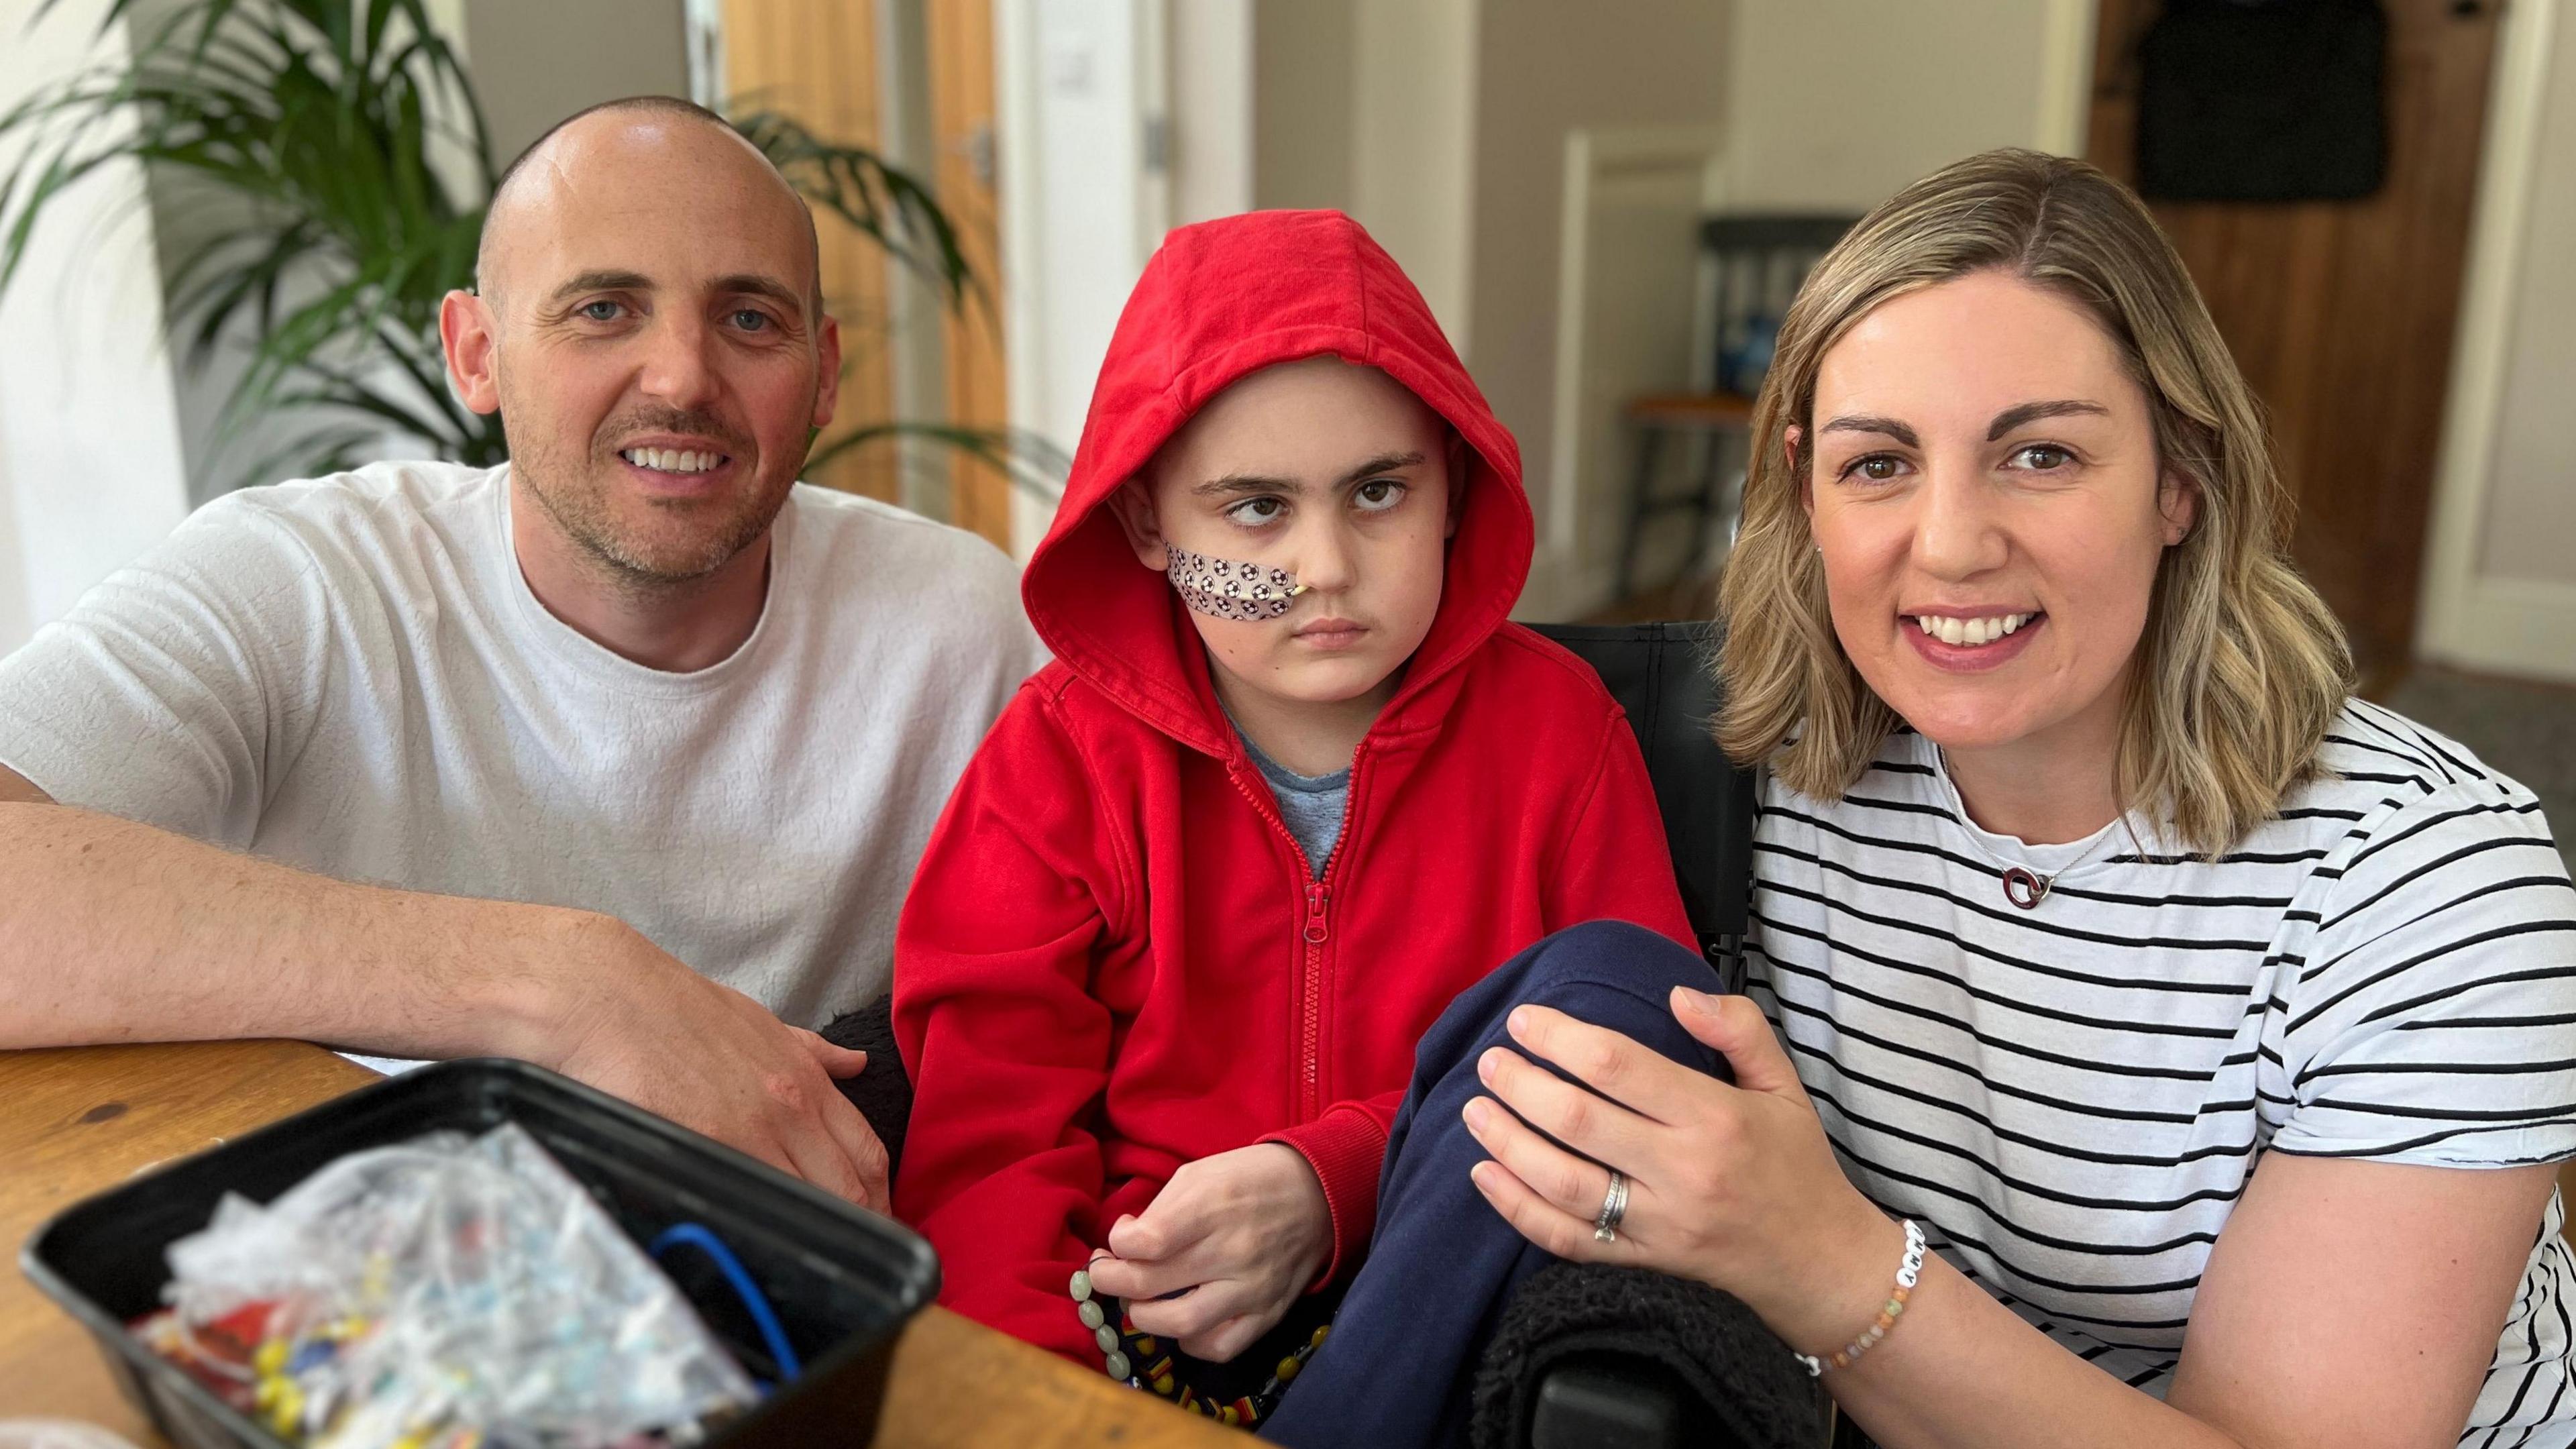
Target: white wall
(1370, 108)
(1836, 104)
(2531, 506)
(2500, 574)
(1444, 127)
(538, 61)
(1413, 181)
(91, 471)
(1630, 289)
(1545, 72)
(1304, 55)
(1211, 123)
(1080, 209)
(1447, 126)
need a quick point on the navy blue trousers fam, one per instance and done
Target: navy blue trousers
(1401, 1360)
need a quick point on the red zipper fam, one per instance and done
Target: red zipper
(1317, 929)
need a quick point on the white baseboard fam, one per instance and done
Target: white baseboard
(2523, 627)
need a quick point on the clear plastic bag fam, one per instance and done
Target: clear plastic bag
(452, 1290)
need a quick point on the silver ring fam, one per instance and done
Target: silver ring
(1614, 1209)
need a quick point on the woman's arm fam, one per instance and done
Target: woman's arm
(2348, 1303)
(2357, 1302)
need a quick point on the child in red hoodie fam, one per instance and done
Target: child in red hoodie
(1292, 785)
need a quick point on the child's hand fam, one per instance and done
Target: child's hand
(1237, 1236)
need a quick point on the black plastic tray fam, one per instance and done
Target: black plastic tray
(841, 1279)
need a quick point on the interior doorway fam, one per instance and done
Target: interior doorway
(2342, 313)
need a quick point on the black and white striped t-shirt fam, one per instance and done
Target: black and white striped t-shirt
(2071, 1098)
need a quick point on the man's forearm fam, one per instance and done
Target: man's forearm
(112, 931)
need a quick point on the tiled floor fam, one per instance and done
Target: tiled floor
(2526, 730)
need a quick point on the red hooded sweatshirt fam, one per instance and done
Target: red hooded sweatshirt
(1115, 958)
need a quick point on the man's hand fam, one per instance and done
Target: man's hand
(1238, 1236)
(640, 1025)
(96, 908)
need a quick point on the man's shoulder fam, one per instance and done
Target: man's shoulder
(411, 485)
(359, 509)
(889, 557)
(850, 520)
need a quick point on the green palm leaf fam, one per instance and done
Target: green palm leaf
(310, 126)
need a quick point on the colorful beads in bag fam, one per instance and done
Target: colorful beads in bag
(440, 1294)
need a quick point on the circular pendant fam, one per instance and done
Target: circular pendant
(2023, 888)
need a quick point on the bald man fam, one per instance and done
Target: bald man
(617, 758)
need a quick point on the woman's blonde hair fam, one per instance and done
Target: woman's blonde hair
(2241, 667)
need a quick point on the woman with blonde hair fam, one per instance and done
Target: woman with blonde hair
(2083, 890)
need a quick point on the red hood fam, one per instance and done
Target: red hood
(1219, 300)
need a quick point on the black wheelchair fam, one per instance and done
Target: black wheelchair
(1660, 675)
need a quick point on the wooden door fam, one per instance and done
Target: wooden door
(960, 36)
(816, 60)
(2341, 313)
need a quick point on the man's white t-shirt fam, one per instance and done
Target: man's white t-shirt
(351, 676)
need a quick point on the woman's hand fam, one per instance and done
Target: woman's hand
(1735, 1186)
(1238, 1236)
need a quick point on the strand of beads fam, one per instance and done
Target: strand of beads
(1140, 1360)
(1909, 1271)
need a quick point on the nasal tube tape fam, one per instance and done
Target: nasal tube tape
(1225, 589)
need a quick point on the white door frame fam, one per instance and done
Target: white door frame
(1080, 87)
(2466, 617)
(1564, 577)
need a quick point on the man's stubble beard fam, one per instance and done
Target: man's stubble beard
(578, 500)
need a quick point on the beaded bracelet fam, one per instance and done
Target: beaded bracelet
(1908, 1273)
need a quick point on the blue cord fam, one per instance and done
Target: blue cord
(753, 1300)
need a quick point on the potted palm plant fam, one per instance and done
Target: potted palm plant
(347, 162)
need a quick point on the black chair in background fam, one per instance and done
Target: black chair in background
(1661, 675)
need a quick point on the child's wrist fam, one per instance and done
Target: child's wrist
(1312, 1241)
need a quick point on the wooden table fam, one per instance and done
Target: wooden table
(78, 1121)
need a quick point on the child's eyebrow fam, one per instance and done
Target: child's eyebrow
(1244, 483)
(1382, 463)
(1262, 483)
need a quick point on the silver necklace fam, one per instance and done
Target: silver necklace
(2024, 887)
